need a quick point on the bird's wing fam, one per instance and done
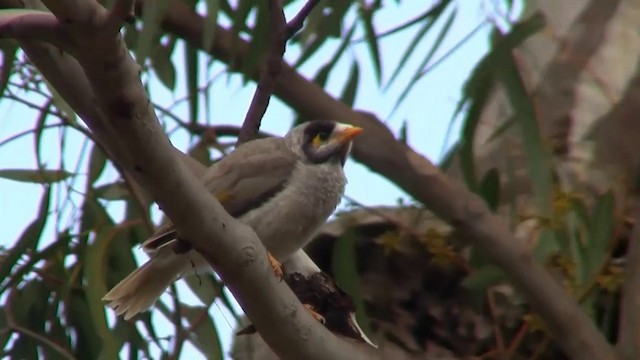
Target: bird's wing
(241, 181)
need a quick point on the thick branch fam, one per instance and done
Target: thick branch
(269, 75)
(32, 24)
(447, 198)
(231, 246)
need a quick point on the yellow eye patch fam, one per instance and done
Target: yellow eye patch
(317, 141)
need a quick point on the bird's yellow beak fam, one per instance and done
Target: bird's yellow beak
(348, 133)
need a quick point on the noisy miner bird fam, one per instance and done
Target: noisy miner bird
(284, 188)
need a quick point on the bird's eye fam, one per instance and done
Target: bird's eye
(324, 135)
(321, 138)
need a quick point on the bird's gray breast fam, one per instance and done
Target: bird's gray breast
(288, 220)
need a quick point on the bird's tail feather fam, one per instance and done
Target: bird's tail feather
(138, 291)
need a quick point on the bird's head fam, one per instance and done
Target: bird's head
(321, 141)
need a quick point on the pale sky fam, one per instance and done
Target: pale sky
(428, 110)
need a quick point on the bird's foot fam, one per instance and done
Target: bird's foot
(276, 266)
(312, 310)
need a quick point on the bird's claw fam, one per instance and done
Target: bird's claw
(276, 266)
(316, 315)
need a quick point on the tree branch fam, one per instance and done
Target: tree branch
(32, 24)
(416, 175)
(269, 74)
(231, 247)
(297, 22)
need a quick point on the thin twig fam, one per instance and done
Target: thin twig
(297, 22)
(269, 74)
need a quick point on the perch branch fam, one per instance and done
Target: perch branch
(269, 75)
(117, 94)
(416, 175)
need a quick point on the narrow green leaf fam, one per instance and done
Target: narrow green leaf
(436, 45)
(308, 51)
(97, 163)
(372, 42)
(404, 132)
(238, 17)
(152, 13)
(28, 241)
(467, 152)
(210, 23)
(537, 158)
(206, 288)
(57, 247)
(35, 176)
(113, 191)
(347, 277)
(430, 17)
(260, 43)
(349, 93)
(192, 69)
(600, 235)
(9, 48)
(37, 135)
(433, 12)
(80, 320)
(484, 278)
(61, 104)
(96, 288)
(490, 188)
(206, 335)
(163, 66)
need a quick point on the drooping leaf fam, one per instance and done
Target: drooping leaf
(192, 66)
(28, 241)
(80, 319)
(205, 287)
(58, 246)
(206, 335)
(260, 43)
(436, 45)
(349, 92)
(97, 163)
(8, 48)
(35, 176)
(61, 104)
(113, 191)
(429, 18)
(163, 66)
(210, 23)
(536, 154)
(347, 277)
(372, 41)
(152, 14)
(490, 188)
(600, 235)
(96, 288)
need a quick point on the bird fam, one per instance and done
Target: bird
(284, 188)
